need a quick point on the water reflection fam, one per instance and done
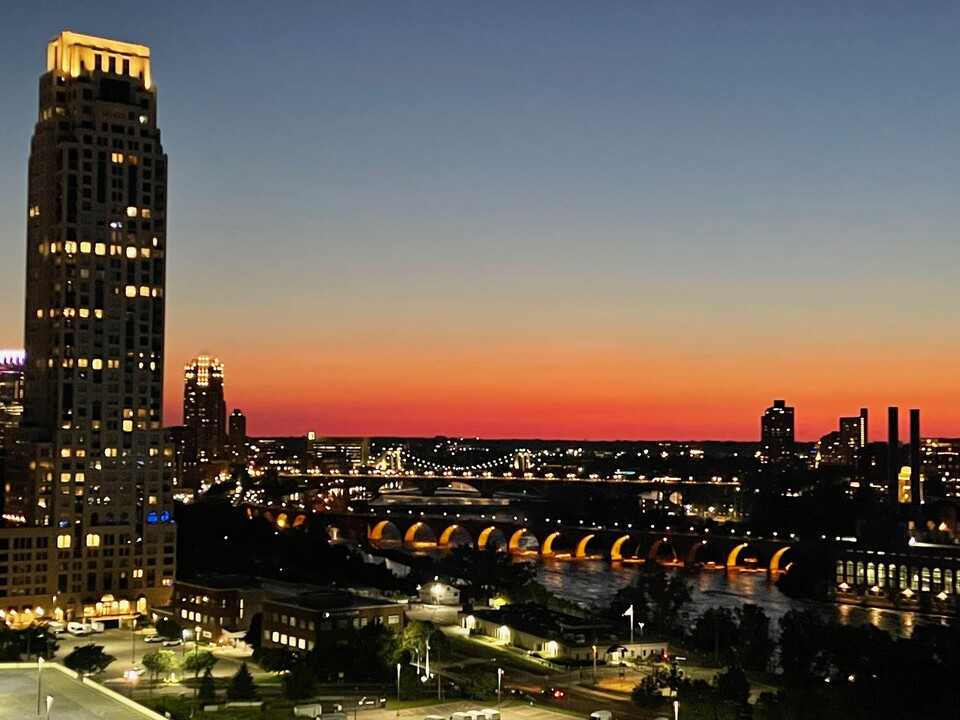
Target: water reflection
(595, 583)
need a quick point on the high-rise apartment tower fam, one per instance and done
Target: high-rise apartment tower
(776, 432)
(204, 408)
(92, 464)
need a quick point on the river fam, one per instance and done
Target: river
(596, 582)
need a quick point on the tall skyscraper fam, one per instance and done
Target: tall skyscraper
(238, 436)
(776, 432)
(91, 462)
(204, 408)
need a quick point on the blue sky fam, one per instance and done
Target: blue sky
(748, 184)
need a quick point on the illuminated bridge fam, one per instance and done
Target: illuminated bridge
(555, 540)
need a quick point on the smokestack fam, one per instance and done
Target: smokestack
(893, 454)
(915, 488)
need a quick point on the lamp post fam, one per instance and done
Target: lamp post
(183, 645)
(398, 688)
(676, 710)
(196, 663)
(641, 631)
(594, 664)
(39, 684)
(499, 686)
(133, 643)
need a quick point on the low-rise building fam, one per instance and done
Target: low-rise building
(302, 621)
(221, 606)
(557, 636)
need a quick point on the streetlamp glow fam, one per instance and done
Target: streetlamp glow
(499, 686)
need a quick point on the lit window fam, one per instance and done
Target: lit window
(70, 247)
(116, 157)
(100, 248)
(97, 364)
(131, 250)
(128, 425)
(144, 291)
(131, 211)
(130, 291)
(64, 541)
(93, 540)
(85, 246)
(145, 212)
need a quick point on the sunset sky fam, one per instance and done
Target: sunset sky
(542, 219)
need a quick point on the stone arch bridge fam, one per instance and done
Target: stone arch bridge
(691, 550)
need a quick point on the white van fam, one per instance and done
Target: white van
(601, 715)
(75, 628)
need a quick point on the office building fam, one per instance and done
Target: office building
(776, 432)
(204, 408)
(11, 390)
(89, 483)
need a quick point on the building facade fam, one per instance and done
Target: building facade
(776, 432)
(204, 407)
(90, 460)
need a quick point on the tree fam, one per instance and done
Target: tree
(198, 661)
(300, 683)
(159, 663)
(754, 644)
(276, 660)
(715, 633)
(254, 636)
(88, 659)
(169, 629)
(657, 599)
(241, 685)
(648, 693)
(733, 687)
(207, 692)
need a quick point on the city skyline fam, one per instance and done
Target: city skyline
(614, 222)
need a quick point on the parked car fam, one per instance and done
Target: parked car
(175, 642)
(153, 638)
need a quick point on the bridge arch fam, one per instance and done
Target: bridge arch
(384, 530)
(616, 550)
(653, 555)
(734, 555)
(777, 558)
(493, 537)
(455, 535)
(581, 550)
(517, 538)
(547, 547)
(417, 529)
(691, 558)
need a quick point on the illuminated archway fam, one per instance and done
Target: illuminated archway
(691, 559)
(581, 551)
(410, 537)
(377, 533)
(547, 547)
(616, 550)
(654, 554)
(456, 535)
(734, 554)
(299, 521)
(491, 536)
(516, 539)
(282, 520)
(775, 560)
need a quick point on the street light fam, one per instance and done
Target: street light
(196, 662)
(133, 643)
(594, 664)
(641, 631)
(499, 686)
(183, 644)
(39, 677)
(676, 710)
(398, 688)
